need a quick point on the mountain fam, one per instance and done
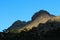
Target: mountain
(41, 16)
(41, 13)
(17, 24)
(42, 26)
(44, 31)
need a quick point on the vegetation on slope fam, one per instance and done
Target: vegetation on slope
(38, 33)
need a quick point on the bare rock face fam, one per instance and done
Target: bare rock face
(41, 13)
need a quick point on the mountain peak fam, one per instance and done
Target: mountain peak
(41, 16)
(40, 13)
(17, 24)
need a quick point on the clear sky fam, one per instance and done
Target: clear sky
(12, 10)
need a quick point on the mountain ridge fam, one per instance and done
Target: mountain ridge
(41, 16)
(42, 27)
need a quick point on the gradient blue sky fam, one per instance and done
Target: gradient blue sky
(12, 10)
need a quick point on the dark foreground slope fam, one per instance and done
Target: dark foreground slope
(47, 31)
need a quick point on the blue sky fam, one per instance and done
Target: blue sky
(12, 10)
